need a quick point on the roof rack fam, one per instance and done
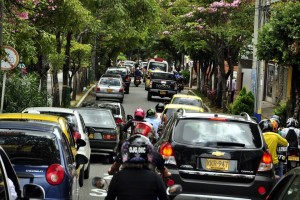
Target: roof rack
(246, 116)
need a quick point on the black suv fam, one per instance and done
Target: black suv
(125, 74)
(217, 156)
(163, 84)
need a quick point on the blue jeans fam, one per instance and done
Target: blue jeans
(279, 169)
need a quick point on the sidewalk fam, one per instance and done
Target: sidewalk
(267, 108)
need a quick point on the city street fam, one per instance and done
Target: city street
(137, 97)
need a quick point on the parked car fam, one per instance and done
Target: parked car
(54, 120)
(288, 186)
(162, 84)
(8, 176)
(77, 125)
(125, 76)
(170, 109)
(106, 137)
(110, 88)
(116, 108)
(41, 154)
(187, 99)
(217, 156)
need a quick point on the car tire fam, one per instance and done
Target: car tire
(121, 100)
(87, 172)
(81, 177)
(149, 97)
(97, 98)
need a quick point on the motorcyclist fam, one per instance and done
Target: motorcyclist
(273, 140)
(159, 110)
(152, 118)
(139, 115)
(137, 72)
(136, 180)
(291, 124)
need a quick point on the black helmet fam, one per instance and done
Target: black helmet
(150, 113)
(266, 125)
(292, 122)
(137, 149)
(160, 107)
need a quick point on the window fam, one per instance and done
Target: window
(293, 191)
(67, 150)
(158, 66)
(97, 119)
(188, 101)
(164, 76)
(3, 184)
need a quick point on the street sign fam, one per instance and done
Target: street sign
(11, 60)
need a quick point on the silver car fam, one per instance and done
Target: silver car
(110, 88)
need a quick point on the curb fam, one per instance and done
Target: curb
(84, 96)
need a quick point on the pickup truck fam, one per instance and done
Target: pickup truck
(162, 84)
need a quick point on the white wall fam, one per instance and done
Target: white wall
(247, 79)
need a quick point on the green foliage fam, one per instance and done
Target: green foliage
(186, 75)
(56, 61)
(243, 103)
(23, 92)
(281, 111)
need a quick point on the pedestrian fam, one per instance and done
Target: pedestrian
(273, 140)
(136, 180)
(231, 89)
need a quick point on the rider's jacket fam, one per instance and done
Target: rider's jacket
(136, 184)
(273, 140)
(132, 123)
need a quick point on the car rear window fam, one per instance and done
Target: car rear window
(158, 66)
(110, 81)
(217, 133)
(122, 72)
(187, 101)
(169, 111)
(71, 118)
(30, 147)
(115, 109)
(97, 118)
(163, 76)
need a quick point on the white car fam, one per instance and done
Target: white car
(77, 122)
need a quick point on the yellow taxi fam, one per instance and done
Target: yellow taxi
(50, 119)
(187, 99)
(172, 108)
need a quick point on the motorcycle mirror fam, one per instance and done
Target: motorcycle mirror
(100, 183)
(174, 190)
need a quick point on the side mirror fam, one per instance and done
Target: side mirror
(33, 191)
(129, 117)
(100, 183)
(80, 143)
(81, 160)
(174, 190)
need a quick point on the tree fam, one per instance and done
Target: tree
(279, 41)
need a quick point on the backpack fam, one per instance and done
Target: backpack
(292, 138)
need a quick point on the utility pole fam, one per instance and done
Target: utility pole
(1, 50)
(258, 66)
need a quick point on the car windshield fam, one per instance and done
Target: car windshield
(187, 101)
(30, 147)
(110, 81)
(164, 76)
(97, 118)
(169, 111)
(217, 133)
(122, 72)
(158, 66)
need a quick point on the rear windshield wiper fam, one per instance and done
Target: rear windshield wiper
(228, 144)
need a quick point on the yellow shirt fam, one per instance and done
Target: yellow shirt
(273, 140)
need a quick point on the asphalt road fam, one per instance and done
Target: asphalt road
(137, 97)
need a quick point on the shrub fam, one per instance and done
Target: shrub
(186, 75)
(243, 103)
(23, 92)
(281, 111)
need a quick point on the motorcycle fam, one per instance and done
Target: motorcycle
(137, 81)
(180, 87)
(293, 155)
(102, 184)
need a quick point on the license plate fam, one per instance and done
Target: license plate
(216, 164)
(293, 158)
(163, 92)
(109, 90)
(91, 136)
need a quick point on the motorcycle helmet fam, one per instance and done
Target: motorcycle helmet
(292, 122)
(160, 107)
(276, 118)
(275, 125)
(150, 113)
(145, 129)
(137, 149)
(139, 114)
(266, 125)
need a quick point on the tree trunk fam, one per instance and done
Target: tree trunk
(55, 90)
(65, 97)
(74, 86)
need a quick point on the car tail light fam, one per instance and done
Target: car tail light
(109, 136)
(121, 90)
(261, 190)
(76, 135)
(170, 182)
(55, 174)
(119, 121)
(166, 151)
(265, 163)
(98, 88)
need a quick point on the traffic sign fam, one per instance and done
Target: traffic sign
(11, 59)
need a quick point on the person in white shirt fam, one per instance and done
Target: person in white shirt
(231, 88)
(12, 189)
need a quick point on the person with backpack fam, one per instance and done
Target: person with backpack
(273, 140)
(291, 133)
